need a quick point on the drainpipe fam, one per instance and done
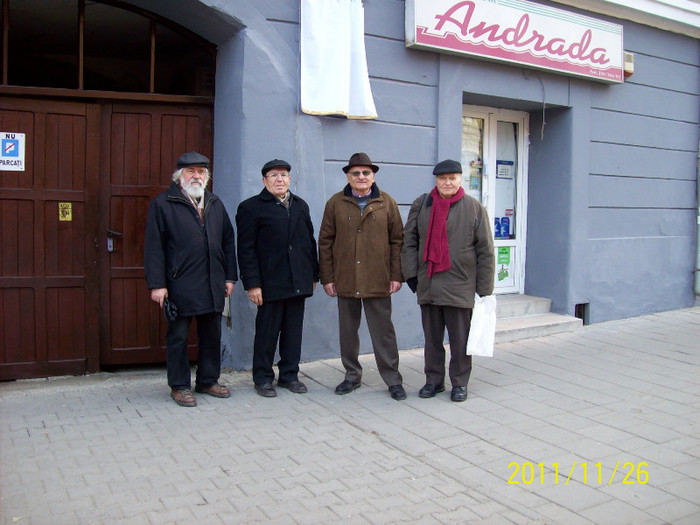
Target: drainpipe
(696, 288)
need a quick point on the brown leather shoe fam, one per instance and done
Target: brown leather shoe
(183, 397)
(215, 390)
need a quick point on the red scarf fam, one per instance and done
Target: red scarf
(437, 251)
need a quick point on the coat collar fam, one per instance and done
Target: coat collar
(429, 201)
(267, 196)
(373, 194)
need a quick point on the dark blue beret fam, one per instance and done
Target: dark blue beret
(447, 166)
(192, 158)
(275, 163)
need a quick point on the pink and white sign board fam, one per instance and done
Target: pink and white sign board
(518, 32)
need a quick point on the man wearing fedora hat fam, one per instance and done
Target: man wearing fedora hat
(279, 270)
(360, 262)
(190, 259)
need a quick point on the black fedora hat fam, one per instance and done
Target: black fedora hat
(360, 159)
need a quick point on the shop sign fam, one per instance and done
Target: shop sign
(518, 32)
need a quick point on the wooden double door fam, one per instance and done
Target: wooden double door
(72, 291)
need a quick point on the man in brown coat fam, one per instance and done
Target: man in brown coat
(360, 263)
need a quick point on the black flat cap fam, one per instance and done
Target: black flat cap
(447, 166)
(192, 158)
(275, 163)
(360, 159)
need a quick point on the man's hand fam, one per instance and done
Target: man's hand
(229, 289)
(158, 294)
(394, 287)
(330, 289)
(255, 295)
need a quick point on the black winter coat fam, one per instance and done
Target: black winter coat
(192, 260)
(276, 247)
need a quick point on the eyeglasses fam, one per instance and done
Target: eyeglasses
(357, 173)
(284, 175)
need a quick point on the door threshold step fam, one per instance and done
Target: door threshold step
(510, 329)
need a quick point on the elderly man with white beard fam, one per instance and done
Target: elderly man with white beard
(190, 262)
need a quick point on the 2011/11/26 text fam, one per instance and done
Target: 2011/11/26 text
(528, 473)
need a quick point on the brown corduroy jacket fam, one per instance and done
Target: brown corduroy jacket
(360, 252)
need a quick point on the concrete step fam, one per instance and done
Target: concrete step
(510, 329)
(517, 305)
(525, 316)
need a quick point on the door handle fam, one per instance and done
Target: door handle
(111, 234)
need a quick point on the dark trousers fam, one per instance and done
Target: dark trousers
(457, 321)
(381, 331)
(208, 357)
(283, 320)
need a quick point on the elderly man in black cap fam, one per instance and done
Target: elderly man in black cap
(360, 259)
(279, 269)
(190, 261)
(447, 255)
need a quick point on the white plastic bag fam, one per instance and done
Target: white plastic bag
(483, 326)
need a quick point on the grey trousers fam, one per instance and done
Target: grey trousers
(381, 331)
(457, 321)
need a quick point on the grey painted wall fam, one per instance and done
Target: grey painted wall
(612, 173)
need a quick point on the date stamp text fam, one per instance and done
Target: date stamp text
(528, 472)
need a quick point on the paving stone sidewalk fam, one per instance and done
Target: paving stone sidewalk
(598, 426)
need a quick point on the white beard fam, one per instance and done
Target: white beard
(194, 190)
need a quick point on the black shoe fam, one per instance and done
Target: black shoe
(430, 390)
(459, 393)
(397, 392)
(293, 386)
(266, 390)
(346, 387)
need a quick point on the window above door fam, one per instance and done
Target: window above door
(102, 45)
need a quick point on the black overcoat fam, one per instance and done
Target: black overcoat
(276, 247)
(192, 260)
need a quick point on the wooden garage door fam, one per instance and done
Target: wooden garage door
(68, 304)
(48, 279)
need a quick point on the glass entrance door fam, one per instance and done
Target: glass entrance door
(494, 157)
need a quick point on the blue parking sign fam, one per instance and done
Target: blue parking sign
(10, 148)
(12, 151)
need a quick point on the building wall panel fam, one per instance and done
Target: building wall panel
(631, 192)
(639, 161)
(639, 130)
(619, 223)
(648, 101)
(637, 276)
(405, 103)
(390, 59)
